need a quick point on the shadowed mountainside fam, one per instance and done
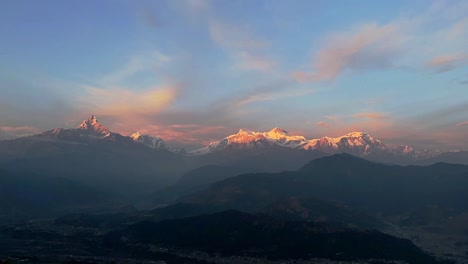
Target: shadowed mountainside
(238, 233)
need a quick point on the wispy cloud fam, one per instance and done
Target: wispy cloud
(332, 117)
(248, 61)
(371, 115)
(148, 62)
(230, 36)
(368, 46)
(198, 5)
(9, 132)
(21, 129)
(448, 62)
(400, 43)
(462, 124)
(124, 102)
(241, 44)
(271, 96)
(322, 124)
(185, 134)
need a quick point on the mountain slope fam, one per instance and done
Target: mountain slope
(347, 179)
(23, 196)
(193, 181)
(238, 233)
(93, 155)
(302, 208)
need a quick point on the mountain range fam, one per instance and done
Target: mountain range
(244, 194)
(95, 156)
(356, 143)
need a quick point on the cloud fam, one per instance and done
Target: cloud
(448, 62)
(271, 96)
(147, 62)
(124, 102)
(248, 61)
(398, 44)
(462, 124)
(9, 132)
(369, 46)
(150, 18)
(185, 134)
(21, 129)
(321, 124)
(230, 36)
(247, 51)
(333, 118)
(198, 5)
(371, 115)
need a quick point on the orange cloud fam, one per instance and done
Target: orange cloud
(123, 102)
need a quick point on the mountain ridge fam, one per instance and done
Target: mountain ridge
(356, 143)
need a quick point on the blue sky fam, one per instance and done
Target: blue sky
(195, 71)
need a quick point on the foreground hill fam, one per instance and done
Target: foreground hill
(349, 180)
(457, 157)
(31, 196)
(193, 181)
(237, 233)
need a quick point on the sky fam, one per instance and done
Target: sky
(195, 71)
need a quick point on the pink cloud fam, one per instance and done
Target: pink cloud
(187, 134)
(368, 46)
(10, 132)
(321, 124)
(448, 62)
(462, 124)
(20, 129)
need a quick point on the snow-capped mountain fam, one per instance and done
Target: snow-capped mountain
(89, 130)
(416, 154)
(246, 139)
(155, 143)
(149, 141)
(357, 143)
(92, 126)
(275, 141)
